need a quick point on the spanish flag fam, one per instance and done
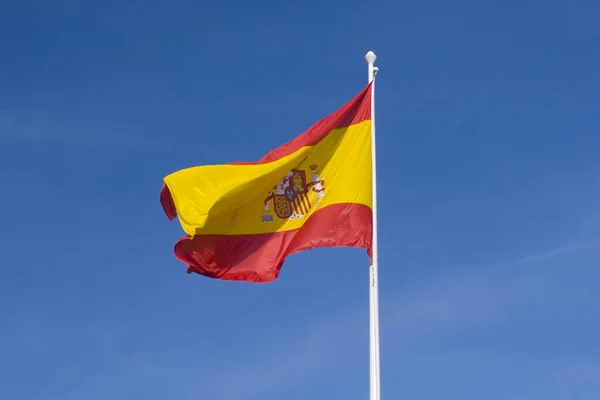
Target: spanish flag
(243, 219)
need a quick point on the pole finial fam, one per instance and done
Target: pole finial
(370, 57)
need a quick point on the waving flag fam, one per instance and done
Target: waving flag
(243, 219)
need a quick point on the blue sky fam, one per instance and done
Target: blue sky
(488, 143)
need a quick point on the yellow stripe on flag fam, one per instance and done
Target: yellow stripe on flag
(243, 199)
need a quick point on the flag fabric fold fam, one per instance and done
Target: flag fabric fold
(243, 219)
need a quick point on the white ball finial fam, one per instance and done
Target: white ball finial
(370, 57)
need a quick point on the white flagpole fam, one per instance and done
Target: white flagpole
(375, 381)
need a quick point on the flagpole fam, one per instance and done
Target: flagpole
(375, 381)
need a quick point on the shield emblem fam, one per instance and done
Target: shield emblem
(283, 207)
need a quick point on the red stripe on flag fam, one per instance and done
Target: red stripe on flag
(259, 258)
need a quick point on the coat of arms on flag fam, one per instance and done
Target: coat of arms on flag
(290, 198)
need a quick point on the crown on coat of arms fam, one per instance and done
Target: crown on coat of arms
(313, 167)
